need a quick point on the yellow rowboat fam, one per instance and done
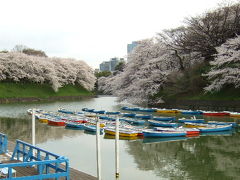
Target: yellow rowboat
(43, 120)
(237, 115)
(90, 115)
(124, 133)
(101, 124)
(108, 136)
(167, 111)
(195, 125)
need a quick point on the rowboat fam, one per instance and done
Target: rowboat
(113, 113)
(107, 118)
(55, 122)
(192, 112)
(90, 115)
(183, 120)
(237, 115)
(42, 119)
(65, 111)
(108, 136)
(234, 124)
(215, 128)
(132, 115)
(162, 124)
(154, 133)
(75, 125)
(133, 121)
(147, 110)
(208, 113)
(125, 108)
(189, 131)
(122, 132)
(99, 112)
(167, 111)
(194, 125)
(143, 116)
(92, 128)
(162, 118)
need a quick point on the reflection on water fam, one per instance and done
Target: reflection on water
(209, 156)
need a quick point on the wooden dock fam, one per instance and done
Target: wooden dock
(23, 171)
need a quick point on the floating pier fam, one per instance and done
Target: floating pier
(22, 161)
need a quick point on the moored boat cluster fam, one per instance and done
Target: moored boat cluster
(149, 124)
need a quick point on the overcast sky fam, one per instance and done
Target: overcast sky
(90, 30)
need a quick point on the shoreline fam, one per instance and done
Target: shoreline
(39, 99)
(217, 105)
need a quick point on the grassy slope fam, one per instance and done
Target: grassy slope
(11, 89)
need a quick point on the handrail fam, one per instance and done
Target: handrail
(3, 143)
(41, 159)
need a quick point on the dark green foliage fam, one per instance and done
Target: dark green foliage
(120, 66)
(188, 82)
(103, 74)
(34, 52)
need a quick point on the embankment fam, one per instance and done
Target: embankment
(11, 92)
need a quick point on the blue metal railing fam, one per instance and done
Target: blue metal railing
(49, 165)
(3, 143)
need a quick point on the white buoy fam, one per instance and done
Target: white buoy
(117, 148)
(33, 127)
(99, 173)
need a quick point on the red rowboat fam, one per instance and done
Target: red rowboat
(216, 114)
(56, 123)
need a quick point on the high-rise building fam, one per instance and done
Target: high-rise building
(110, 65)
(131, 46)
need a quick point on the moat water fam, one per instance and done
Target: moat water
(209, 156)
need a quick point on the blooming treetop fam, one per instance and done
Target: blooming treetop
(55, 71)
(226, 66)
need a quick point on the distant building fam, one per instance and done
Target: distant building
(131, 46)
(110, 65)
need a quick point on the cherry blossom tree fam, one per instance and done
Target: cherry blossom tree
(55, 71)
(147, 69)
(226, 66)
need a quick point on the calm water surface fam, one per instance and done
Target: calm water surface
(210, 156)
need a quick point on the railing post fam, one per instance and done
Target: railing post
(33, 127)
(117, 147)
(99, 175)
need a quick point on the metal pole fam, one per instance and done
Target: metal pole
(99, 175)
(117, 148)
(33, 127)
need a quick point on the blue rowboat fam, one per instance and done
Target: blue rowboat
(65, 111)
(107, 118)
(87, 110)
(99, 112)
(92, 128)
(153, 133)
(132, 115)
(192, 112)
(143, 116)
(183, 120)
(133, 121)
(147, 110)
(130, 108)
(234, 124)
(215, 128)
(113, 113)
(75, 125)
(162, 124)
(162, 118)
